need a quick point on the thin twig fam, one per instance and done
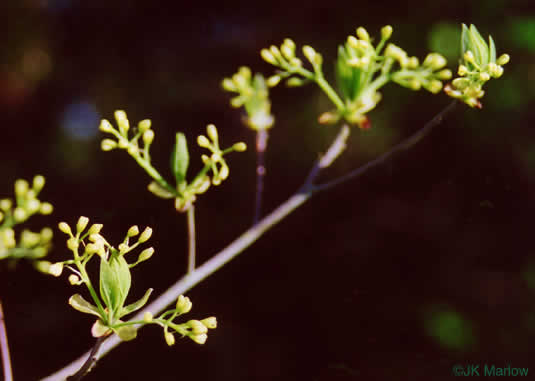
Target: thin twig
(89, 363)
(261, 144)
(405, 144)
(4, 348)
(191, 239)
(250, 236)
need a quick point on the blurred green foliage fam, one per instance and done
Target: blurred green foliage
(449, 329)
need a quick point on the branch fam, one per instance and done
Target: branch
(4, 348)
(407, 143)
(261, 143)
(255, 232)
(89, 363)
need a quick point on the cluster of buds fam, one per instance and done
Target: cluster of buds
(115, 277)
(253, 94)
(363, 68)
(84, 250)
(131, 144)
(215, 161)
(184, 193)
(479, 64)
(30, 245)
(414, 76)
(196, 330)
(285, 59)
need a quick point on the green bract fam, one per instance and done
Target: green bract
(184, 193)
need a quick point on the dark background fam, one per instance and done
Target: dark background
(426, 262)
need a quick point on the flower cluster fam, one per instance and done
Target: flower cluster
(361, 70)
(196, 330)
(183, 193)
(253, 94)
(115, 279)
(479, 64)
(30, 245)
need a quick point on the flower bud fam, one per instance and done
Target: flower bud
(309, 53)
(183, 304)
(445, 74)
(133, 231)
(146, 254)
(363, 34)
(19, 214)
(105, 126)
(503, 59)
(122, 121)
(108, 144)
(211, 130)
(463, 70)
(210, 322)
(239, 147)
(199, 339)
(73, 244)
(228, 85)
(46, 208)
(33, 206)
(386, 32)
(145, 235)
(56, 269)
(273, 80)
(148, 137)
(224, 172)
(38, 183)
(21, 187)
(6, 204)
(65, 228)
(169, 338)
(81, 224)
(144, 125)
(268, 57)
(484, 77)
(197, 327)
(95, 229)
(46, 234)
(147, 317)
(469, 56)
(203, 141)
(74, 279)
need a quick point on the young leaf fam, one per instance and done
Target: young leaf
(80, 304)
(180, 158)
(115, 281)
(136, 305)
(159, 191)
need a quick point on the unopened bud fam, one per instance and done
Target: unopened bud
(145, 235)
